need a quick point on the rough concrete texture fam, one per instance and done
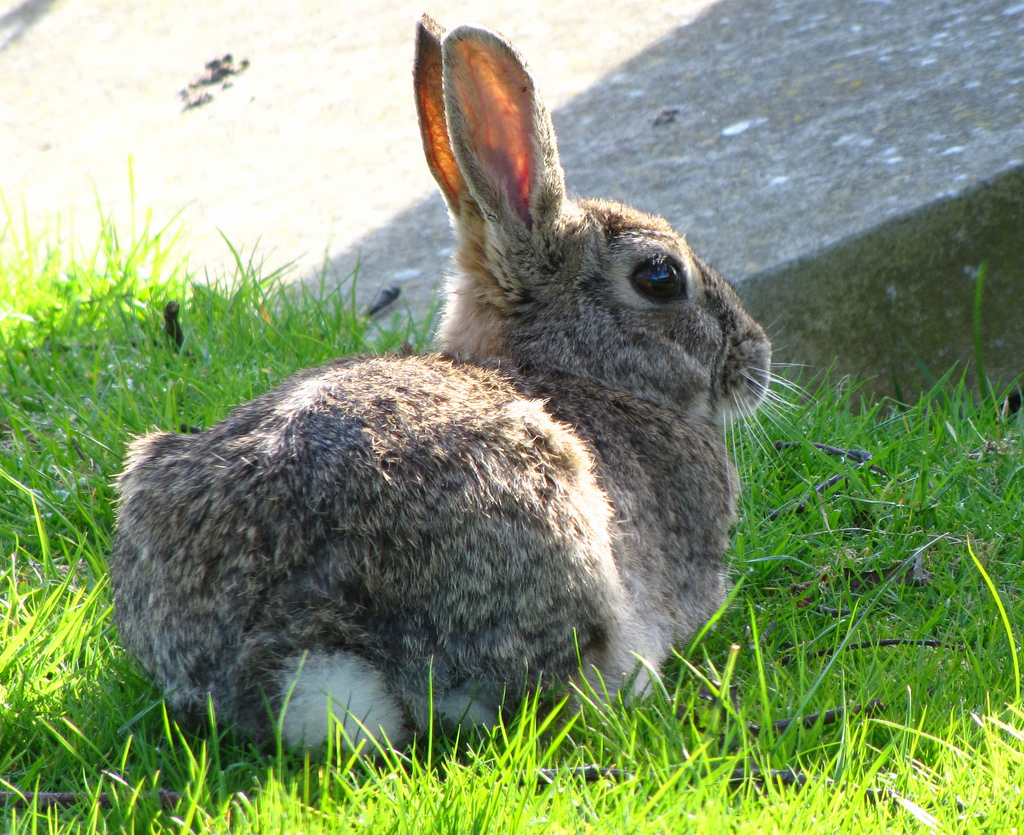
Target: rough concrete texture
(309, 150)
(897, 303)
(778, 135)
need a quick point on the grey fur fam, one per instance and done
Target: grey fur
(551, 487)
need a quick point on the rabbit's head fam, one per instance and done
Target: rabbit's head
(589, 288)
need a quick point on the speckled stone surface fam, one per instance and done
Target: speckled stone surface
(802, 122)
(301, 157)
(895, 305)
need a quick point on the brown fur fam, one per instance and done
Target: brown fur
(551, 488)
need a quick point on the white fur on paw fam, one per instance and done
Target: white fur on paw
(463, 707)
(339, 687)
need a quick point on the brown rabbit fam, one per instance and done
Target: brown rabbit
(547, 497)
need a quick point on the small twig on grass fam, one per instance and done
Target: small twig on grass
(785, 776)
(50, 800)
(832, 611)
(587, 773)
(860, 579)
(913, 575)
(742, 774)
(886, 642)
(385, 298)
(859, 457)
(789, 777)
(172, 327)
(593, 773)
(77, 447)
(828, 717)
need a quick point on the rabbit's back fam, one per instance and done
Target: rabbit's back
(396, 508)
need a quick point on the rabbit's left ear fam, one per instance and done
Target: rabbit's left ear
(429, 90)
(501, 133)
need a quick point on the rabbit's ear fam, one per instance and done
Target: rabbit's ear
(500, 131)
(430, 109)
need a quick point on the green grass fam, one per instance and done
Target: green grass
(86, 364)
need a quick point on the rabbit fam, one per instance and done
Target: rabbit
(386, 541)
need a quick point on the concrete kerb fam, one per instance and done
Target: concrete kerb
(894, 306)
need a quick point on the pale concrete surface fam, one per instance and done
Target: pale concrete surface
(312, 147)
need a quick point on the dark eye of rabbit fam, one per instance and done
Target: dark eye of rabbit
(659, 279)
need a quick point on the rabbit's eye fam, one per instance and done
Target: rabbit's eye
(659, 279)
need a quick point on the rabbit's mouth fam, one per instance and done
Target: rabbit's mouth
(745, 374)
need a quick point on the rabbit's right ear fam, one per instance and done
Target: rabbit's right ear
(501, 133)
(430, 108)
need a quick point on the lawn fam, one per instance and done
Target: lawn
(877, 604)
